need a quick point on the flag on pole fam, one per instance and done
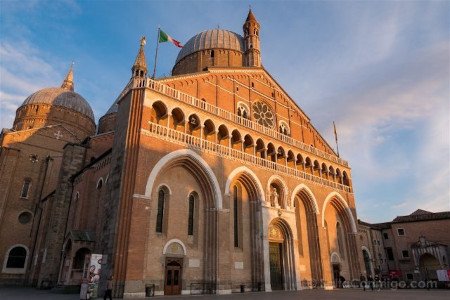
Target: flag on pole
(335, 133)
(164, 37)
(336, 138)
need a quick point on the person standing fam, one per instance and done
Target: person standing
(362, 280)
(378, 282)
(370, 280)
(109, 287)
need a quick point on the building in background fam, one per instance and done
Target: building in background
(211, 180)
(411, 247)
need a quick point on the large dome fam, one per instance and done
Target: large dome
(61, 97)
(212, 39)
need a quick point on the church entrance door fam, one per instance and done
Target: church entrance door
(276, 265)
(172, 285)
(337, 275)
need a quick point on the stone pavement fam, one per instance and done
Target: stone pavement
(341, 294)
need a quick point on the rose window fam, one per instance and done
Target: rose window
(263, 114)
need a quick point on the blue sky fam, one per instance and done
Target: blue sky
(379, 69)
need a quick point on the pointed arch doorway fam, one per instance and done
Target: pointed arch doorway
(281, 256)
(276, 264)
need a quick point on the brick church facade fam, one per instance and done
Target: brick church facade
(207, 180)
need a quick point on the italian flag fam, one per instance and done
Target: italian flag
(164, 37)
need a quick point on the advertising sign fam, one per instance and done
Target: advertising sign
(95, 266)
(442, 275)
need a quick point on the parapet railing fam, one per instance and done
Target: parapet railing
(183, 97)
(184, 139)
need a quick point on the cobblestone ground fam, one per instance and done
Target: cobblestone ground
(346, 294)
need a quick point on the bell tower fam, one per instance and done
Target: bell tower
(252, 54)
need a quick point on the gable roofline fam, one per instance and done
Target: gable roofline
(217, 70)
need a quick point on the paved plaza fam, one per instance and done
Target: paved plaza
(345, 294)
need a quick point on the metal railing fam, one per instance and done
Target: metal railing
(185, 139)
(183, 97)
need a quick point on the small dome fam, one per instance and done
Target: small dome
(212, 39)
(61, 97)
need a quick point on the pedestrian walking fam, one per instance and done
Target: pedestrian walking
(109, 287)
(362, 281)
(370, 280)
(378, 282)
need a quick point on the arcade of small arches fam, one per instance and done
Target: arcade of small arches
(175, 118)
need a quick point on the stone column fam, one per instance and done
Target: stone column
(327, 275)
(265, 241)
(224, 259)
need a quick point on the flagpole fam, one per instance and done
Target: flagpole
(336, 138)
(156, 54)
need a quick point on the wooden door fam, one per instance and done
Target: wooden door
(172, 285)
(276, 266)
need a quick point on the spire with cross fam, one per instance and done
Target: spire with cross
(139, 68)
(68, 81)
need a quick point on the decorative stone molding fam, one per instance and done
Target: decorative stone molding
(174, 246)
(191, 155)
(341, 200)
(250, 173)
(311, 196)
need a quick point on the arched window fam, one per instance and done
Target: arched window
(222, 132)
(209, 128)
(16, 258)
(284, 128)
(194, 122)
(100, 184)
(177, 116)
(236, 137)
(345, 180)
(25, 188)
(271, 153)
(160, 211)
(191, 214)
(367, 262)
(159, 110)
(243, 110)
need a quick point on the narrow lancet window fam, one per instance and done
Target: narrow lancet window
(191, 214)
(160, 215)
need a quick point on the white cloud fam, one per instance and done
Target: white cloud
(403, 102)
(23, 70)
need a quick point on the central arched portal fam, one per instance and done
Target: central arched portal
(281, 256)
(428, 265)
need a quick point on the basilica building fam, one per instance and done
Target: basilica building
(212, 180)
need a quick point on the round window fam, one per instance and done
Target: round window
(263, 114)
(24, 217)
